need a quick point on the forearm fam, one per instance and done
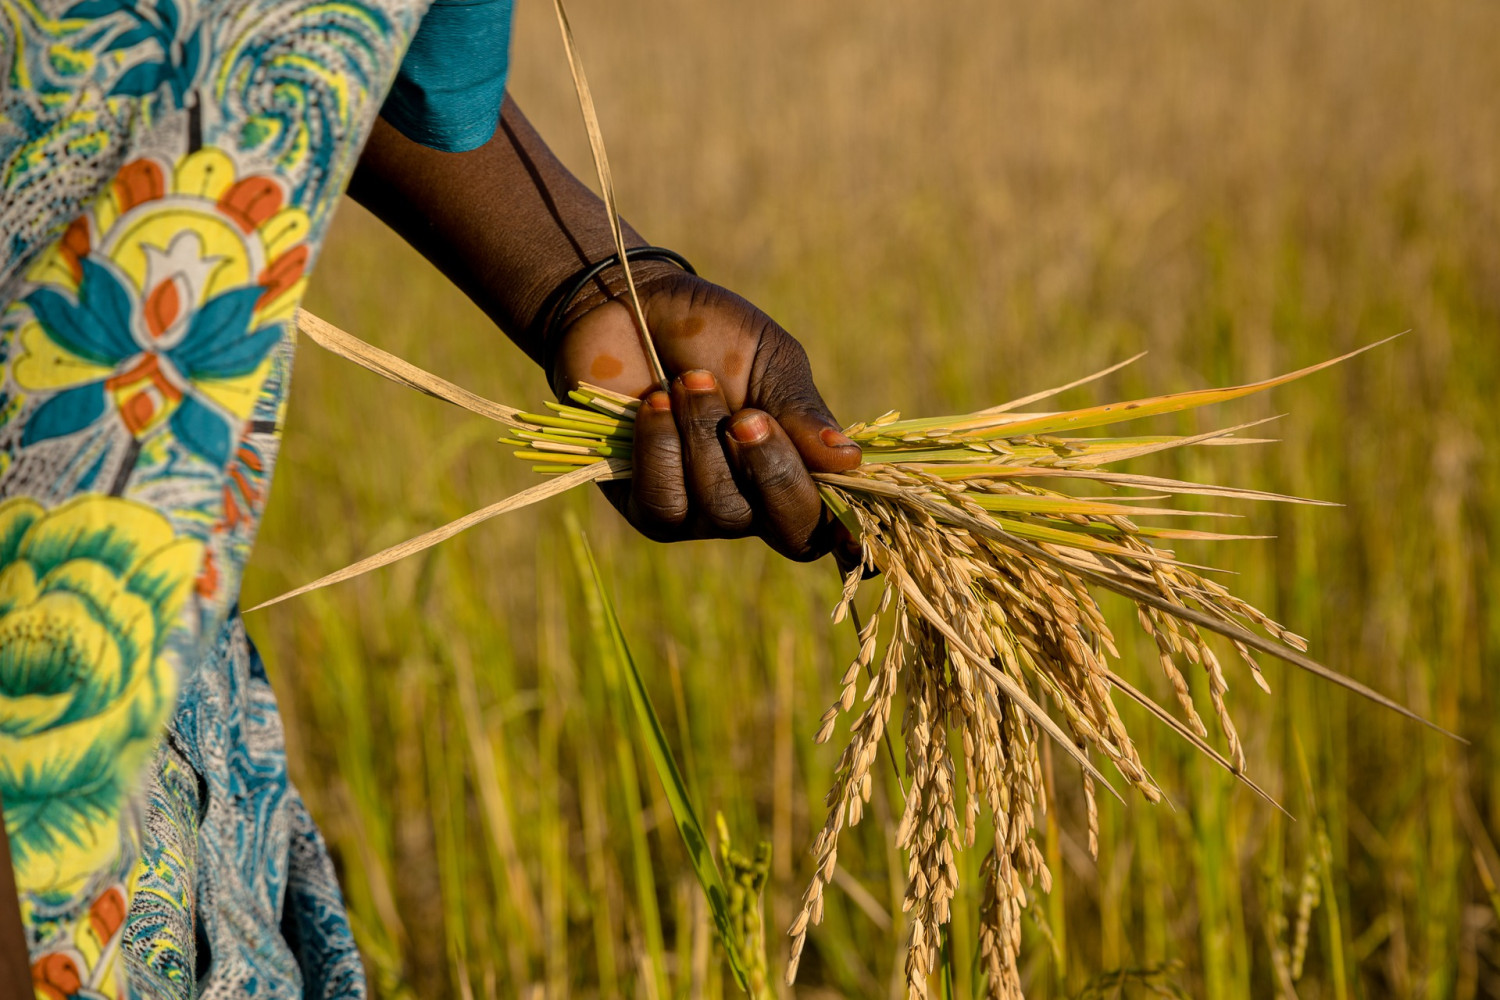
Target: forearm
(506, 222)
(728, 451)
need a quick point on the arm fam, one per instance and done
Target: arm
(728, 451)
(506, 222)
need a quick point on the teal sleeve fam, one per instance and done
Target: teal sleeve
(448, 91)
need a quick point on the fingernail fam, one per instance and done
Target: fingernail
(750, 429)
(659, 400)
(697, 379)
(833, 438)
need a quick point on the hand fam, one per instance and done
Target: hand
(729, 451)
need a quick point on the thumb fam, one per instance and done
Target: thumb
(783, 387)
(823, 447)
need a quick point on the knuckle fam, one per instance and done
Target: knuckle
(656, 459)
(782, 354)
(705, 425)
(799, 540)
(657, 490)
(802, 539)
(664, 511)
(662, 503)
(733, 526)
(656, 450)
(784, 376)
(728, 511)
(780, 481)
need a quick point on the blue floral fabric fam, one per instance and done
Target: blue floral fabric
(168, 169)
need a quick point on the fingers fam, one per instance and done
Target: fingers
(702, 414)
(784, 496)
(700, 472)
(783, 387)
(658, 503)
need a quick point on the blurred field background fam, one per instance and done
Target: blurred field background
(951, 204)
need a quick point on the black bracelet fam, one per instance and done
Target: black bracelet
(577, 284)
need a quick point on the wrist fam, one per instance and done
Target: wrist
(602, 281)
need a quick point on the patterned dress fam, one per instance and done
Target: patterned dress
(168, 169)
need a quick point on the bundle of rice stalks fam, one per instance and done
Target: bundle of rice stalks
(987, 577)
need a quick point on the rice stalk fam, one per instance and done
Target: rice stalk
(988, 583)
(746, 878)
(987, 575)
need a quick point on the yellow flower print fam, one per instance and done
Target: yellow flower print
(89, 594)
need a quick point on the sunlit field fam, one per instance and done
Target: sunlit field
(951, 205)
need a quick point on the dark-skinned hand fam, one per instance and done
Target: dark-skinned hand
(729, 451)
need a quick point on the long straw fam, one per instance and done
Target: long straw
(402, 372)
(598, 471)
(607, 185)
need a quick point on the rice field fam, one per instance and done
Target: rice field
(951, 205)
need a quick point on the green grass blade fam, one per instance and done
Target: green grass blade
(686, 817)
(946, 981)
